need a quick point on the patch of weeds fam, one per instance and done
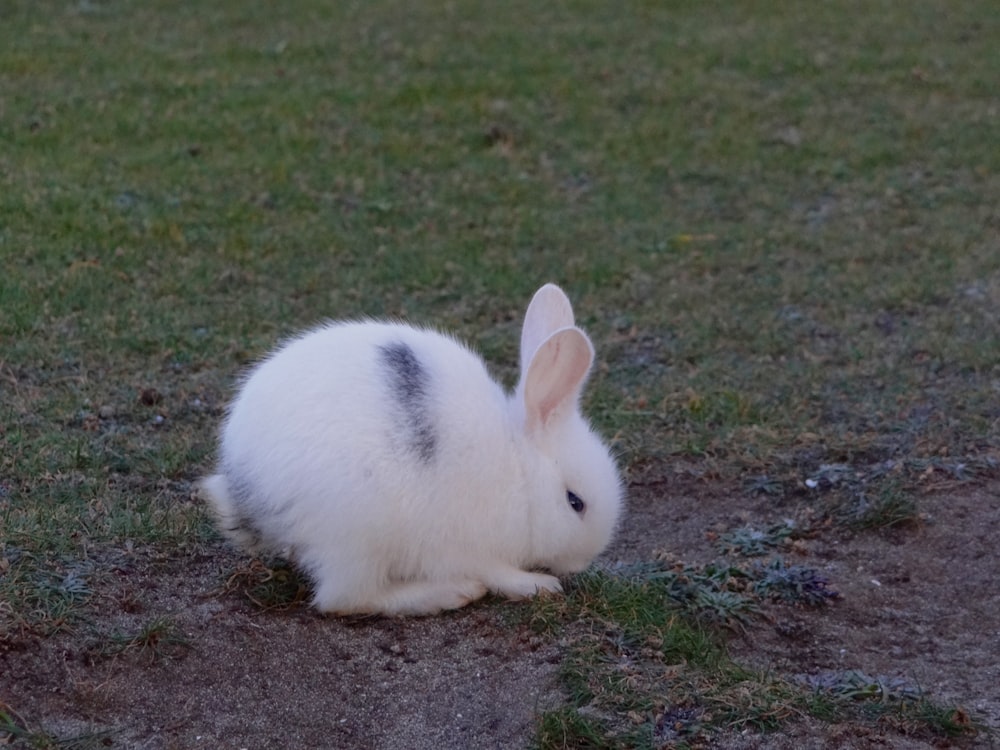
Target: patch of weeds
(15, 731)
(855, 685)
(741, 698)
(894, 700)
(72, 584)
(728, 595)
(40, 596)
(887, 505)
(643, 608)
(751, 542)
(566, 728)
(877, 496)
(156, 640)
(949, 721)
(712, 594)
(269, 588)
(763, 484)
(793, 584)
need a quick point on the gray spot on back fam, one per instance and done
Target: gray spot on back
(409, 382)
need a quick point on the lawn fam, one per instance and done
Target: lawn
(778, 221)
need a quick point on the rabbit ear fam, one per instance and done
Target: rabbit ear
(554, 377)
(548, 311)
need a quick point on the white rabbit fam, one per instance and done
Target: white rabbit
(385, 462)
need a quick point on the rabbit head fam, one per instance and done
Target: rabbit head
(577, 493)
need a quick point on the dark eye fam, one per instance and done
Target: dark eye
(575, 502)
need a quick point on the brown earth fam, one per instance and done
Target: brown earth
(919, 603)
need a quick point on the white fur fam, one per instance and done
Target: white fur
(317, 463)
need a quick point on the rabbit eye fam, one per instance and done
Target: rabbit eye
(575, 502)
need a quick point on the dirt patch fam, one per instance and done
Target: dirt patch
(245, 678)
(918, 604)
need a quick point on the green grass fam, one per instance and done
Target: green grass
(643, 670)
(41, 593)
(777, 221)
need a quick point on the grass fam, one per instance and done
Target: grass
(42, 595)
(15, 731)
(643, 671)
(887, 506)
(269, 588)
(779, 224)
(157, 639)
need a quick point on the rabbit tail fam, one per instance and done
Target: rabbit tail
(230, 521)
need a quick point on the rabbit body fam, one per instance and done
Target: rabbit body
(384, 461)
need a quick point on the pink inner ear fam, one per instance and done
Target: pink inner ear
(555, 375)
(549, 311)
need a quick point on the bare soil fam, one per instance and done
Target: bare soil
(919, 603)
